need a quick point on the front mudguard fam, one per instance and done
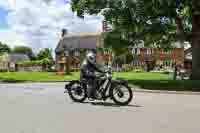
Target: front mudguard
(117, 82)
(120, 81)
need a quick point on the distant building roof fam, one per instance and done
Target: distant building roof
(17, 57)
(81, 41)
(82, 35)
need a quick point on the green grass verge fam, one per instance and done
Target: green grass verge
(36, 76)
(153, 81)
(45, 76)
(142, 76)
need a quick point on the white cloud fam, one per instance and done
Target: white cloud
(38, 23)
(12, 38)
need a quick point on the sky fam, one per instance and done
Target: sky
(37, 23)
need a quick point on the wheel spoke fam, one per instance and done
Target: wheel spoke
(115, 92)
(75, 92)
(124, 97)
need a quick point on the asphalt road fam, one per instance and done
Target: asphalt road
(43, 108)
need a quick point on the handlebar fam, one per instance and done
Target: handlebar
(107, 74)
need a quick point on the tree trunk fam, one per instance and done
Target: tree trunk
(68, 65)
(195, 47)
(180, 29)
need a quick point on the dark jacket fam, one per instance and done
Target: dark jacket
(88, 70)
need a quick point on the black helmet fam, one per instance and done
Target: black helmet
(91, 58)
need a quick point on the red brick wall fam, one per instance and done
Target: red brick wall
(176, 55)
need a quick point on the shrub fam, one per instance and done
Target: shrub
(127, 67)
(171, 85)
(29, 63)
(3, 70)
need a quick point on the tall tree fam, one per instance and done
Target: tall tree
(158, 23)
(196, 39)
(45, 55)
(4, 48)
(24, 50)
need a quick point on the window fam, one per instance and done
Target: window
(133, 50)
(149, 51)
(138, 51)
(76, 52)
(145, 51)
(152, 51)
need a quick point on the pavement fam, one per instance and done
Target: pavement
(44, 108)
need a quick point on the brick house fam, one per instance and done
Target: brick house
(159, 56)
(8, 62)
(79, 45)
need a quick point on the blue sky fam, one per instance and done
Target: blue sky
(3, 22)
(37, 23)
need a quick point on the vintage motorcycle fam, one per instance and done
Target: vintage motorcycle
(117, 90)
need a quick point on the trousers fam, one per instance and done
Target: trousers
(91, 87)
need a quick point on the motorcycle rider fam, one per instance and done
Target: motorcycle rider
(88, 70)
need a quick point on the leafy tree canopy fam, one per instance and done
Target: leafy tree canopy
(23, 50)
(45, 53)
(156, 22)
(46, 56)
(4, 48)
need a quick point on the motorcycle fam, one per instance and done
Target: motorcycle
(116, 90)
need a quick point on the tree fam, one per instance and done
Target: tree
(159, 23)
(46, 56)
(4, 48)
(195, 39)
(45, 53)
(122, 56)
(24, 50)
(129, 57)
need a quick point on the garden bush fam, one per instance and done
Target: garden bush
(171, 85)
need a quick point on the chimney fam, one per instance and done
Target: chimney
(64, 32)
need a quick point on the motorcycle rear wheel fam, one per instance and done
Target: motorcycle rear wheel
(77, 93)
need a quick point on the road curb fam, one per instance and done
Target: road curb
(166, 92)
(18, 82)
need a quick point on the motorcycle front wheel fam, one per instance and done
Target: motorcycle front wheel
(77, 93)
(122, 95)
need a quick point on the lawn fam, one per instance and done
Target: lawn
(36, 76)
(157, 81)
(45, 76)
(143, 76)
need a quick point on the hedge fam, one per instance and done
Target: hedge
(171, 85)
(36, 62)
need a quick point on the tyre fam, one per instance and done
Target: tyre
(119, 93)
(77, 93)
